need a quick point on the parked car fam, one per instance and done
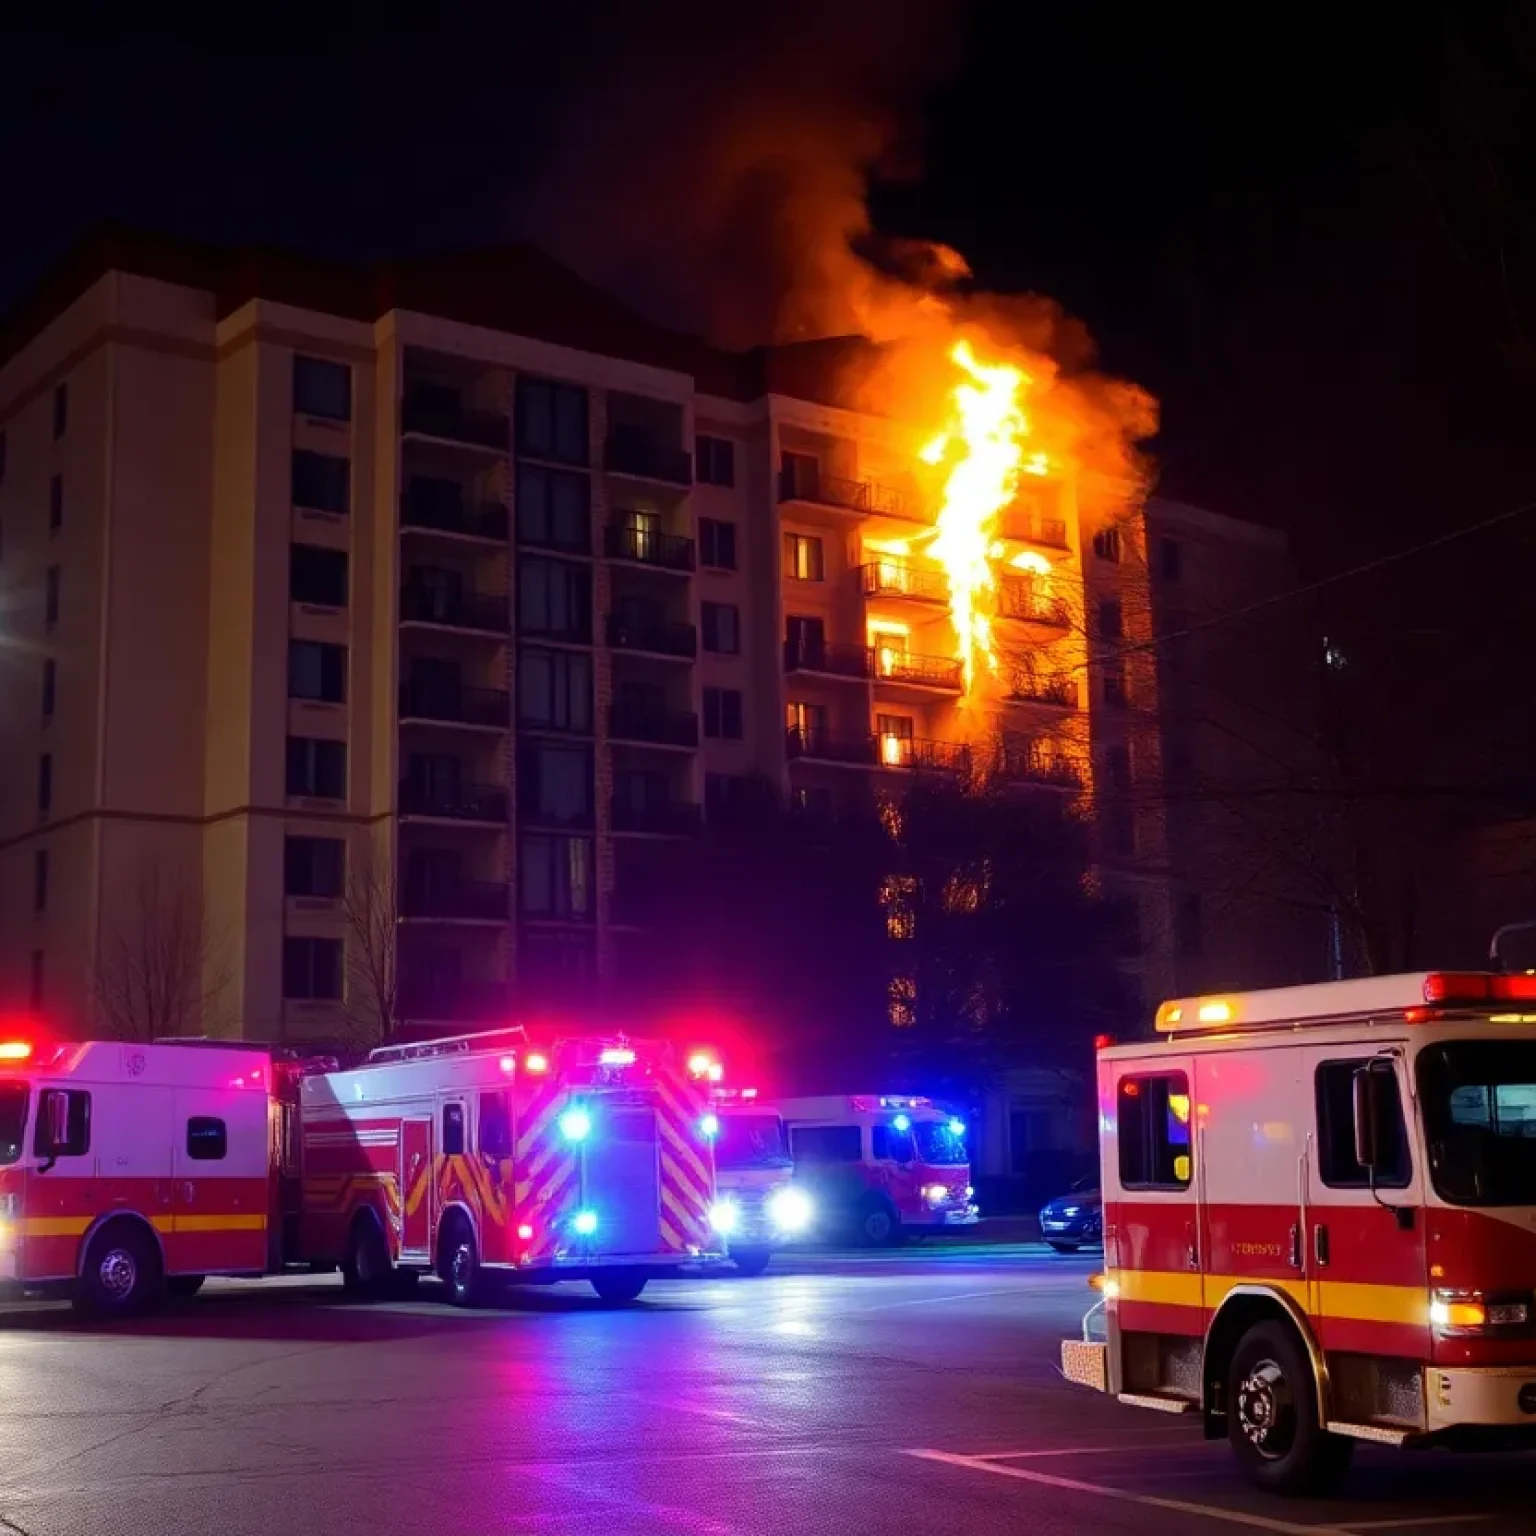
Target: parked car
(1072, 1220)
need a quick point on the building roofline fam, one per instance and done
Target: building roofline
(1220, 525)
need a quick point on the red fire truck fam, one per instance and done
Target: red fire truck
(481, 1158)
(1320, 1219)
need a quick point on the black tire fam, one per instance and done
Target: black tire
(459, 1264)
(619, 1286)
(122, 1273)
(365, 1270)
(181, 1286)
(1272, 1417)
(1063, 1247)
(750, 1261)
(878, 1224)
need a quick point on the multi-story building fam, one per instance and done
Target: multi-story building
(364, 637)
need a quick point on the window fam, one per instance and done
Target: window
(50, 686)
(51, 597)
(495, 1126)
(717, 544)
(727, 794)
(453, 1130)
(901, 998)
(317, 576)
(552, 421)
(312, 970)
(722, 714)
(554, 690)
(554, 598)
(1106, 545)
(715, 460)
(806, 719)
(1336, 1162)
(554, 509)
(60, 410)
(888, 1145)
(322, 388)
(317, 769)
(55, 503)
(40, 880)
(1154, 1131)
(814, 803)
(826, 1144)
(1170, 559)
(45, 783)
(1115, 694)
(555, 877)
(35, 979)
(1117, 769)
(317, 671)
(721, 624)
(1111, 619)
(800, 477)
(207, 1139)
(803, 558)
(1188, 925)
(556, 959)
(555, 783)
(313, 866)
(321, 481)
(63, 1123)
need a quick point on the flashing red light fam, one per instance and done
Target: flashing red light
(1478, 987)
(1103, 1042)
(749, 1093)
(536, 1062)
(699, 1064)
(15, 1050)
(509, 1064)
(1131, 1089)
(525, 1232)
(716, 1072)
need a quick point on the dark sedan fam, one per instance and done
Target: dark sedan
(1070, 1221)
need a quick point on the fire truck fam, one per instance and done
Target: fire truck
(762, 1208)
(1320, 1220)
(482, 1159)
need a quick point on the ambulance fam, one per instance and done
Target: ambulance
(763, 1207)
(1320, 1220)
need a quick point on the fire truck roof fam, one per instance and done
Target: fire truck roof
(1415, 995)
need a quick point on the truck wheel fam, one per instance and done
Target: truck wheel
(879, 1225)
(619, 1285)
(1272, 1420)
(460, 1265)
(184, 1285)
(750, 1261)
(122, 1273)
(365, 1269)
(1064, 1247)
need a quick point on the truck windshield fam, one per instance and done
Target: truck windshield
(751, 1141)
(939, 1146)
(1479, 1099)
(13, 1120)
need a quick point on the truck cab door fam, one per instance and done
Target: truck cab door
(221, 1188)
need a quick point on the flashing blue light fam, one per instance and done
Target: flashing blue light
(902, 1122)
(576, 1124)
(709, 1127)
(585, 1223)
(957, 1127)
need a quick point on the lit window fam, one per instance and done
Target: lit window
(896, 893)
(901, 1006)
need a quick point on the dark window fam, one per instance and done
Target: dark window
(555, 879)
(554, 597)
(453, 1130)
(55, 503)
(1170, 559)
(888, 1145)
(40, 880)
(45, 783)
(321, 481)
(322, 388)
(313, 866)
(317, 769)
(554, 690)
(495, 1126)
(35, 980)
(1189, 925)
(727, 794)
(317, 671)
(51, 597)
(312, 969)
(722, 714)
(1111, 619)
(721, 627)
(63, 1123)
(60, 410)
(1154, 1131)
(556, 958)
(554, 508)
(555, 783)
(715, 458)
(1337, 1166)
(1106, 545)
(207, 1139)
(826, 1143)
(50, 686)
(1115, 694)
(317, 576)
(552, 421)
(1118, 769)
(717, 544)
(803, 557)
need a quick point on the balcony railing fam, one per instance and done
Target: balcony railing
(1040, 765)
(431, 416)
(1031, 689)
(671, 818)
(665, 551)
(941, 672)
(818, 745)
(537, 533)
(638, 453)
(924, 756)
(469, 802)
(666, 728)
(455, 610)
(892, 577)
(1049, 532)
(459, 706)
(485, 901)
(658, 636)
(803, 654)
(569, 628)
(474, 519)
(866, 496)
(1018, 599)
(455, 1002)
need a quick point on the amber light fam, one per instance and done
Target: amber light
(15, 1050)
(536, 1062)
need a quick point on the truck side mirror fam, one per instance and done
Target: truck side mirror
(1374, 1120)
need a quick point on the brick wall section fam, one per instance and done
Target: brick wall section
(602, 694)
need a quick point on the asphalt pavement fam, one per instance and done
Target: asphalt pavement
(898, 1393)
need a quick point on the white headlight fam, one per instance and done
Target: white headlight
(789, 1209)
(935, 1194)
(724, 1217)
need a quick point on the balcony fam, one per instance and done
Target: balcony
(439, 415)
(807, 654)
(907, 752)
(643, 546)
(1024, 600)
(540, 534)
(1025, 528)
(657, 637)
(459, 901)
(940, 674)
(470, 519)
(452, 1002)
(656, 727)
(1039, 765)
(483, 707)
(895, 578)
(814, 744)
(867, 497)
(478, 611)
(1028, 688)
(637, 453)
(469, 802)
(666, 818)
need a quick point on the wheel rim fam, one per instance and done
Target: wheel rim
(463, 1267)
(1266, 1410)
(877, 1226)
(118, 1273)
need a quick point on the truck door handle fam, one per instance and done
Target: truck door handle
(1192, 1251)
(1320, 1244)
(1296, 1246)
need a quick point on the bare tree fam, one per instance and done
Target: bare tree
(371, 908)
(158, 970)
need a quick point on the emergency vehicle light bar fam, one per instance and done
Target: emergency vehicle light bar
(452, 1045)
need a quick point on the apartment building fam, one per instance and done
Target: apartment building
(368, 638)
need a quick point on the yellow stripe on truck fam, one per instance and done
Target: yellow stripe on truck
(1405, 1304)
